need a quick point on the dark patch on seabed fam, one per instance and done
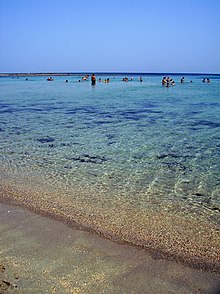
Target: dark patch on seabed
(4, 105)
(170, 160)
(41, 108)
(8, 110)
(140, 155)
(173, 155)
(110, 137)
(161, 156)
(206, 123)
(174, 166)
(85, 158)
(84, 109)
(138, 114)
(45, 140)
(102, 122)
(193, 112)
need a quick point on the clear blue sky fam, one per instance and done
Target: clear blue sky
(113, 35)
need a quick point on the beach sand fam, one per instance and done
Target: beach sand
(165, 230)
(41, 255)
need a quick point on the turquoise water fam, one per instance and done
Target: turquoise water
(139, 141)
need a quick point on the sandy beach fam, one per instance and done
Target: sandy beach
(190, 240)
(40, 255)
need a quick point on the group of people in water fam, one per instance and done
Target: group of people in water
(206, 80)
(93, 79)
(125, 79)
(166, 81)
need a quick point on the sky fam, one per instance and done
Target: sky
(110, 36)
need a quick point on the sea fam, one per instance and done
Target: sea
(132, 161)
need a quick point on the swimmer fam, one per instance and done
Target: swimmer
(164, 81)
(93, 79)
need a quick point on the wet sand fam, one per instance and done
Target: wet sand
(40, 255)
(167, 232)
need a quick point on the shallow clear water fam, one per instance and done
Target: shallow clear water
(140, 141)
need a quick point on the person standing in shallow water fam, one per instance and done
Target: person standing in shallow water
(93, 79)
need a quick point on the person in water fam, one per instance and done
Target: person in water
(93, 79)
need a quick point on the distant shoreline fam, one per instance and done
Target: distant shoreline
(102, 73)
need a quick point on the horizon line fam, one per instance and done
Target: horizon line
(105, 72)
